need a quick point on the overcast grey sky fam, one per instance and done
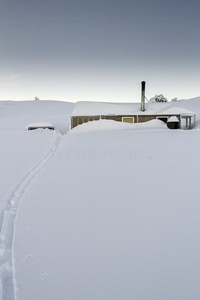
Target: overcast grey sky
(99, 49)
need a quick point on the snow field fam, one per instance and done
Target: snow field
(113, 226)
(108, 211)
(7, 224)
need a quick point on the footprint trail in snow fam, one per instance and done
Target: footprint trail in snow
(7, 223)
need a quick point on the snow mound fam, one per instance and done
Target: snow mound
(110, 125)
(173, 119)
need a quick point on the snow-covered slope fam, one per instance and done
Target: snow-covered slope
(99, 214)
(16, 115)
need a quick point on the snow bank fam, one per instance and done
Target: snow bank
(110, 125)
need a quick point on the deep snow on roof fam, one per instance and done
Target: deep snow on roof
(89, 108)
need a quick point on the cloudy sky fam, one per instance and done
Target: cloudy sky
(99, 49)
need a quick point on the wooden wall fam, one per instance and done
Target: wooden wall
(77, 120)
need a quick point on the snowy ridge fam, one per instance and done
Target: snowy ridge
(7, 222)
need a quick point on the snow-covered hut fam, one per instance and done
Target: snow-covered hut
(86, 111)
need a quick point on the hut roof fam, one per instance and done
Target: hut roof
(90, 108)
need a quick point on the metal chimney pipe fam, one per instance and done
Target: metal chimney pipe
(143, 96)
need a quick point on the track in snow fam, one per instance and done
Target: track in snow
(7, 229)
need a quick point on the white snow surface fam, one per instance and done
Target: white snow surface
(16, 115)
(88, 108)
(110, 125)
(173, 119)
(106, 211)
